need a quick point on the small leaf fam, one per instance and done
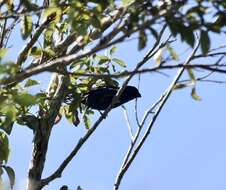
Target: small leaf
(31, 82)
(119, 62)
(26, 99)
(173, 53)
(103, 59)
(113, 50)
(182, 85)
(9, 110)
(142, 40)
(194, 95)
(3, 52)
(127, 2)
(49, 51)
(36, 52)
(158, 56)
(11, 174)
(4, 147)
(87, 121)
(191, 75)
(205, 42)
(53, 13)
(187, 35)
(26, 26)
(6, 125)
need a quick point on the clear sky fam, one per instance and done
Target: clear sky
(186, 149)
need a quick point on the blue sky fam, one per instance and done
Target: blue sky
(185, 150)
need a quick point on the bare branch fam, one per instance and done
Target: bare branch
(66, 60)
(128, 123)
(82, 140)
(23, 55)
(209, 67)
(166, 95)
(3, 33)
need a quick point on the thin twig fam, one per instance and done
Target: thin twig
(83, 139)
(166, 95)
(66, 60)
(136, 105)
(23, 55)
(128, 123)
(3, 33)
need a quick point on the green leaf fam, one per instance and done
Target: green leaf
(3, 52)
(142, 40)
(119, 62)
(103, 59)
(158, 56)
(194, 95)
(26, 26)
(127, 2)
(9, 110)
(113, 50)
(180, 86)
(205, 42)
(11, 174)
(188, 36)
(49, 51)
(36, 52)
(67, 113)
(31, 82)
(191, 75)
(26, 99)
(173, 53)
(4, 147)
(6, 125)
(53, 12)
(87, 121)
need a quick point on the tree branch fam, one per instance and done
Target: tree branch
(82, 140)
(23, 55)
(66, 60)
(166, 95)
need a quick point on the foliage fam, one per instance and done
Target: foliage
(54, 32)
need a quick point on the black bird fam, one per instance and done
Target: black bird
(101, 98)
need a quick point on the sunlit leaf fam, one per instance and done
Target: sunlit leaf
(183, 85)
(158, 56)
(26, 26)
(26, 99)
(87, 121)
(191, 75)
(113, 50)
(31, 82)
(3, 52)
(194, 95)
(119, 62)
(103, 59)
(173, 53)
(36, 52)
(10, 111)
(127, 2)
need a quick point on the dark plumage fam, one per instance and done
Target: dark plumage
(101, 98)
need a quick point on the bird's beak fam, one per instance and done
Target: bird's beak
(139, 95)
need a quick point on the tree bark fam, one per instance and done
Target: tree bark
(43, 130)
